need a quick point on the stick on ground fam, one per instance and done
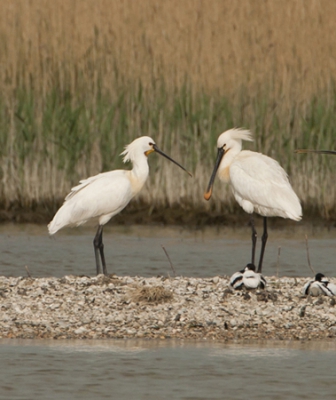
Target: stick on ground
(308, 256)
(278, 262)
(171, 264)
(28, 272)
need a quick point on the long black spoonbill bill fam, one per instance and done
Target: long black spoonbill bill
(301, 151)
(259, 183)
(104, 195)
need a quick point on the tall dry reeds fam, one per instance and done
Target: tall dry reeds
(80, 79)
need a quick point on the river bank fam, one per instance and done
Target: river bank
(142, 214)
(184, 308)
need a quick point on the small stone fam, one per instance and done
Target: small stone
(80, 331)
(319, 301)
(302, 311)
(246, 296)
(100, 307)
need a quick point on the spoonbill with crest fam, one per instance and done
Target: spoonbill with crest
(104, 195)
(258, 182)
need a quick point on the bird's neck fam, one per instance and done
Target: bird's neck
(224, 168)
(139, 173)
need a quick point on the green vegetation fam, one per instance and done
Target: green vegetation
(79, 81)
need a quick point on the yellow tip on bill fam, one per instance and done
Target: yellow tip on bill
(208, 194)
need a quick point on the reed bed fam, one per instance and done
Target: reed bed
(81, 79)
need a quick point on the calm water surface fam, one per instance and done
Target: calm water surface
(137, 251)
(165, 370)
(160, 370)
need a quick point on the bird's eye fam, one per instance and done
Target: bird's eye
(224, 146)
(151, 144)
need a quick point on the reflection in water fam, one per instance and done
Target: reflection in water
(137, 251)
(140, 369)
(262, 348)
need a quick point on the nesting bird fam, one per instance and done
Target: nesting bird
(104, 195)
(319, 286)
(248, 278)
(258, 182)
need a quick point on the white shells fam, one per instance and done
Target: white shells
(100, 307)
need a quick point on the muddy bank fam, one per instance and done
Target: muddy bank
(136, 307)
(141, 214)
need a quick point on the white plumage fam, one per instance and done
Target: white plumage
(258, 182)
(319, 286)
(248, 278)
(106, 194)
(101, 196)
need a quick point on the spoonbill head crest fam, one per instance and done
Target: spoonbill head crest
(233, 138)
(145, 145)
(141, 145)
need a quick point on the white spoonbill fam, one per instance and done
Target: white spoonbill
(320, 285)
(259, 183)
(104, 195)
(247, 278)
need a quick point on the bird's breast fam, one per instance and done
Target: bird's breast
(136, 182)
(224, 174)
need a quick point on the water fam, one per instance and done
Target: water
(160, 370)
(152, 370)
(137, 251)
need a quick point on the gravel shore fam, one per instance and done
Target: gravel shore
(134, 307)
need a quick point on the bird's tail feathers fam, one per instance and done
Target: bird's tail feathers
(60, 220)
(54, 226)
(294, 209)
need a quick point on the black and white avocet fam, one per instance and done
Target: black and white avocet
(319, 286)
(248, 278)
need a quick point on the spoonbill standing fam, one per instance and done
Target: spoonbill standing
(259, 183)
(104, 195)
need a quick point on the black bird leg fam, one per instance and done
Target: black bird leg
(263, 245)
(254, 239)
(99, 248)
